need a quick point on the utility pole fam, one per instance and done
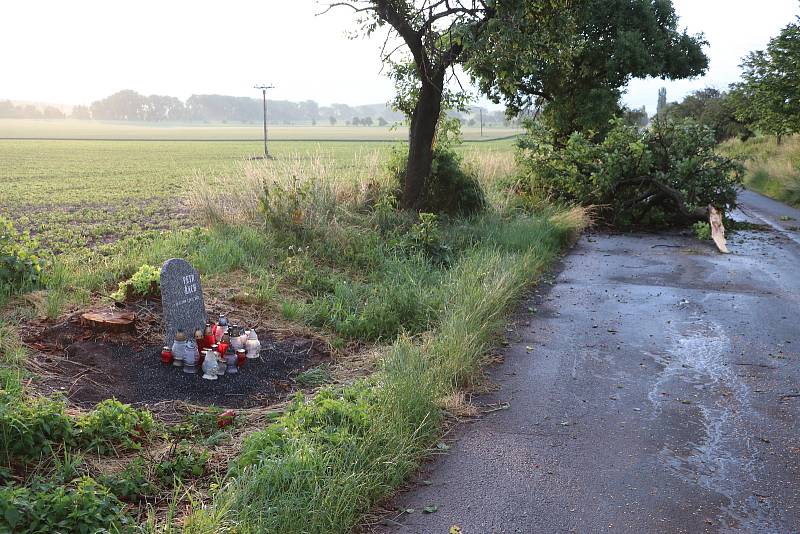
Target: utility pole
(481, 121)
(264, 95)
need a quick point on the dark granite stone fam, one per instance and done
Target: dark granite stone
(182, 299)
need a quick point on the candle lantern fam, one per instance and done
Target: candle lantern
(199, 340)
(243, 335)
(253, 345)
(210, 365)
(166, 356)
(178, 348)
(190, 357)
(220, 360)
(230, 361)
(236, 340)
(241, 357)
(224, 343)
(208, 336)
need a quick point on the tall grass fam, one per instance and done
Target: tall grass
(328, 460)
(345, 260)
(772, 170)
(325, 183)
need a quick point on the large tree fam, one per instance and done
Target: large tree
(572, 55)
(712, 108)
(439, 35)
(576, 65)
(768, 97)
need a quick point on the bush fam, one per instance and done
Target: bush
(144, 283)
(450, 189)
(20, 267)
(702, 230)
(113, 424)
(85, 508)
(664, 176)
(182, 463)
(131, 483)
(31, 428)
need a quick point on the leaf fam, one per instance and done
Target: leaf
(432, 509)
(442, 446)
(455, 529)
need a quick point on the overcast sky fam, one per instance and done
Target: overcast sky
(77, 52)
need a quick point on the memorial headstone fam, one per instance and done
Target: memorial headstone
(181, 298)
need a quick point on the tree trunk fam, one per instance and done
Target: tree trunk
(421, 138)
(779, 139)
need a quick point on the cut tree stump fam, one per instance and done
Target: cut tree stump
(110, 320)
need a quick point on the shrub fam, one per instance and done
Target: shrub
(113, 424)
(84, 508)
(425, 237)
(284, 205)
(31, 428)
(663, 176)
(144, 283)
(450, 189)
(183, 462)
(702, 230)
(131, 483)
(20, 267)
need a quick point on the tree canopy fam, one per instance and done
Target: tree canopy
(573, 60)
(571, 57)
(713, 108)
(768, 97)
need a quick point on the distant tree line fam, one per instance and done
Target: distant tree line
(766, 100)
(129, 105)
(8, 110)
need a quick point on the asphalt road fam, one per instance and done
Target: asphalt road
(655, 388)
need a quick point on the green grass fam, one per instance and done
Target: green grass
(327, 461)
(772, 170)
(324, 249)
(74, 195)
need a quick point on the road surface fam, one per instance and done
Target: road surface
(656, 388)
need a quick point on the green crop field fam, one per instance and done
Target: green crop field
(76, 129)
(77, 194)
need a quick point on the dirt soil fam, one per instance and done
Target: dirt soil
(88, 367)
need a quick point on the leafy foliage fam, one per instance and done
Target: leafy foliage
(283, 205)
(573, 58)
(31, 429)
(712, 108)
(112, 425)
(132, 482)
(83, 508)
(20, 267)
(666, 175)
(144, 283)
(702, 230)
(183, 462)
(768, 97)
(450, 188)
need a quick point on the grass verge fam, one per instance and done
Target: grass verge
(328, 460)
(324, 247)
(772, 170)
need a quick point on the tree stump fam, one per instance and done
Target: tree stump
(110, 321)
